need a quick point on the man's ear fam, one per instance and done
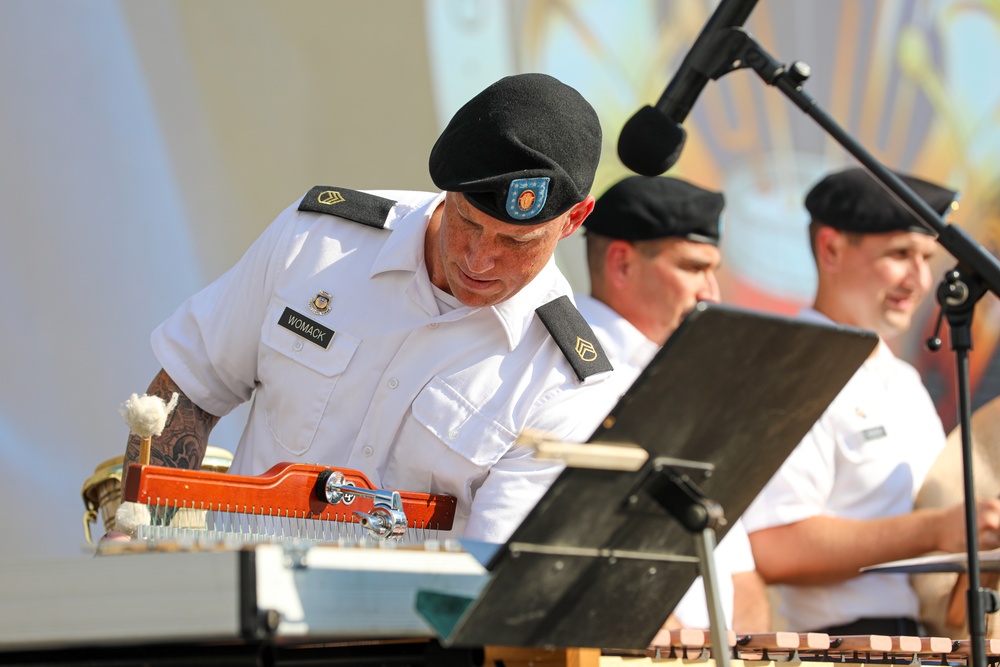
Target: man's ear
(577, 214)
(829, 249)
(619, 263)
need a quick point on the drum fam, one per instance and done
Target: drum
(942, 595)
(103, 490)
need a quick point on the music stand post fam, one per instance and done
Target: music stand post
(964, 285)
(701, 516)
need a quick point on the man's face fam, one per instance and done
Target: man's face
(884, 277)
(673, 275)
(483, 261)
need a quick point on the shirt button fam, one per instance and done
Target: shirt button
(368, 451)
(297, 346)
(393, 383)
(452, 434)
(433, 325)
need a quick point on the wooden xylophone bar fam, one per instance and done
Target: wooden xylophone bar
(680, 647)
(691, 648)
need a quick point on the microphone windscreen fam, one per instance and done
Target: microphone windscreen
(650, 142)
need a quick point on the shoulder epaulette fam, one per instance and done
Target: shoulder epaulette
(574, 337)
(362, 207)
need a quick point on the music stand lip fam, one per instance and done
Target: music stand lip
(625, 456)
(518, 548)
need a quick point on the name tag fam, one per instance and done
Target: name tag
(873, 434)
(302, 326)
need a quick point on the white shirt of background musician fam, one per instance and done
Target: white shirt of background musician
(415, 398)
(630, 351)
(866, 457)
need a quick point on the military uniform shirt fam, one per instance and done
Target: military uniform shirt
(630, 352)
(865, 458)
(379, 380)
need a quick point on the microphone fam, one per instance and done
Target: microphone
(652, 139)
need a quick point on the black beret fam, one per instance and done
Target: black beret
(639, 208)
(853, 201)
(523, 151)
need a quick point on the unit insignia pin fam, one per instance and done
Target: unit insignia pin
(320, 304)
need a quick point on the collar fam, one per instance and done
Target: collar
(624, 342)
(403, 250)
(881, 351)
(517, 313)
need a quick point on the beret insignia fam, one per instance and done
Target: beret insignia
(526, 197)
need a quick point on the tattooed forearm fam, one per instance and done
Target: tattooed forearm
(185, 436)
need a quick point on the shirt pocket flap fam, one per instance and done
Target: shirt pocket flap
(459, 425)
(296, 342)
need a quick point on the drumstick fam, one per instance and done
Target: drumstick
(146, 416)
(145, 449)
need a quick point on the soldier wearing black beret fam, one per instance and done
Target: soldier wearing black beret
(843, 500)
(652, 252)
(411, 335)
(854, 219)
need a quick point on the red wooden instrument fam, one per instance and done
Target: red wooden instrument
(286, 490)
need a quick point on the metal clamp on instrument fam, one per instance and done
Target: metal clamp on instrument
(387, 520)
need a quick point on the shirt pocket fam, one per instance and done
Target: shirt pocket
(462, 443)
(297, 379)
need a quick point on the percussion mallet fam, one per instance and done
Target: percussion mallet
(146, 416)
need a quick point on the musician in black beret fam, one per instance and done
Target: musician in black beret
(652, 253)
(410, 335)
(844, 498)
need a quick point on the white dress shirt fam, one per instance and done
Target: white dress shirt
(416, 399)
(865, 458)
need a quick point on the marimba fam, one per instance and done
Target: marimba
(681, 648)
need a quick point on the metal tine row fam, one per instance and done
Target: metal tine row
(233, 528)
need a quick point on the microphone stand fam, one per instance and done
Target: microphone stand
(976, 272)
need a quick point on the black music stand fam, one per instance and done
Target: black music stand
(600, 561)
